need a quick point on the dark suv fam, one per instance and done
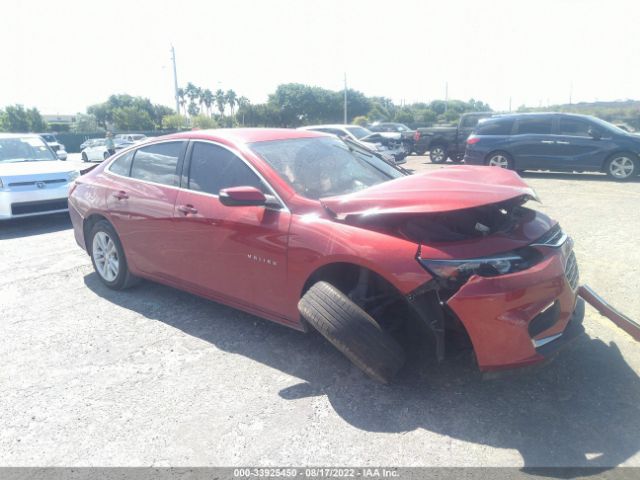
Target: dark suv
(554, 141)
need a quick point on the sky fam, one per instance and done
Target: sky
(62, 56)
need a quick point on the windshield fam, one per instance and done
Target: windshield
(358, 132)
(324, 166)
(609, 126)
(24, 149)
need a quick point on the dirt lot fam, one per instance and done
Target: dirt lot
(154, 376)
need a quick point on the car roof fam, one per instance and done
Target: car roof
(330, 125)
(248, 135)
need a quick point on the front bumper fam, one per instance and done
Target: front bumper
(505, 315)
(32, 201)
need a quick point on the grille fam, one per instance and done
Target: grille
(48, 182)
(553, 238)
(571, 271)
(38, 207)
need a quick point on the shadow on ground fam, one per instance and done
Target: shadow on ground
(28, 226)
(581, 410)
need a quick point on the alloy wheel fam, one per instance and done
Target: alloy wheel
(105, 256)
(437, 155)
(621, 167)
(499, 161)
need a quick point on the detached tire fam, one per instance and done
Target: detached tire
(352, 331)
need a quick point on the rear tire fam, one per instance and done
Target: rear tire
(105, 155)
(499, 159)
(108, 258)
(352, 331)
(622, 166)
(438, 154)
(84, 157)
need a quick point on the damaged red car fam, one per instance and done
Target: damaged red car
(311, 232)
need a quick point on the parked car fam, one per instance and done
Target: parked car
(296, 227)
(33, 181)
(56, 146)
(97, 151)
(131, 137)
(395, 132)
(554, 141)
(447, 142)
(366, 138)
(90, 142)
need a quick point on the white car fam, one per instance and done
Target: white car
(131, 137)
(55, 145)
(97, 151)
(32, 179)
(355, 133)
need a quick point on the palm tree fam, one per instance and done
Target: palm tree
(207, 99)
(181, 100)
(231, 100)
(193, 93)
(221, 101)
(243, 103)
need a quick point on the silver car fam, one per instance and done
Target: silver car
(32, 179)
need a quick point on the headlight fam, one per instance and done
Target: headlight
(73, 175)
(461, 270)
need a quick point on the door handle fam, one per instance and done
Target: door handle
(562, 143)
(188, 209)
(547, 141)
(121, 195)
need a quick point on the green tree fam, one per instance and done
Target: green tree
(361, 120)
(203, 121)
(208, 99)
(182, 100)
(221, 101)
(174, 121)
(85, 123)
(17, 119)
(132, 118)
(193, 93)
(231, 100)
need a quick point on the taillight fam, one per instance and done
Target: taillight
(416, 136)
(472, 140)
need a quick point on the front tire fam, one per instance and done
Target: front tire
(622, 166)
(352, 331)
(105, 155)
(499, 159)
(438, 154)
(108, 258)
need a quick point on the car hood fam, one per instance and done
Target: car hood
(13, 169)
(443, 190)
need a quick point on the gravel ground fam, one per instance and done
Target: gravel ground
(155, 376)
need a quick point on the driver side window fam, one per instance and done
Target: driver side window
(213, 168)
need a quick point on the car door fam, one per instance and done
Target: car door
(581, 143)
(141, 205)
(234, 253)
(532, 144)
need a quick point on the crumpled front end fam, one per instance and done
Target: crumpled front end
(519, 319)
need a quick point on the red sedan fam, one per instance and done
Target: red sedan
(309, 231)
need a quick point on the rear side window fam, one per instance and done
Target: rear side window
(157, 163)
(534, 125)
(470, 121)
(501, 126)
(214, 168)
(574, 127)
(122, 165)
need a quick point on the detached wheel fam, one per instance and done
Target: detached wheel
(438, 154)
(622, 166)
(352, 331)
(84, 157)
(500, 159)
(107, 256)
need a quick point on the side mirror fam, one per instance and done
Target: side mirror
(61, 154)
(595, 134)
(242, 197)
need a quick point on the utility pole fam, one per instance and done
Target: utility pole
(446, 96)
(570, 91)
(509, 104)
(345, 98)
(175, 79)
